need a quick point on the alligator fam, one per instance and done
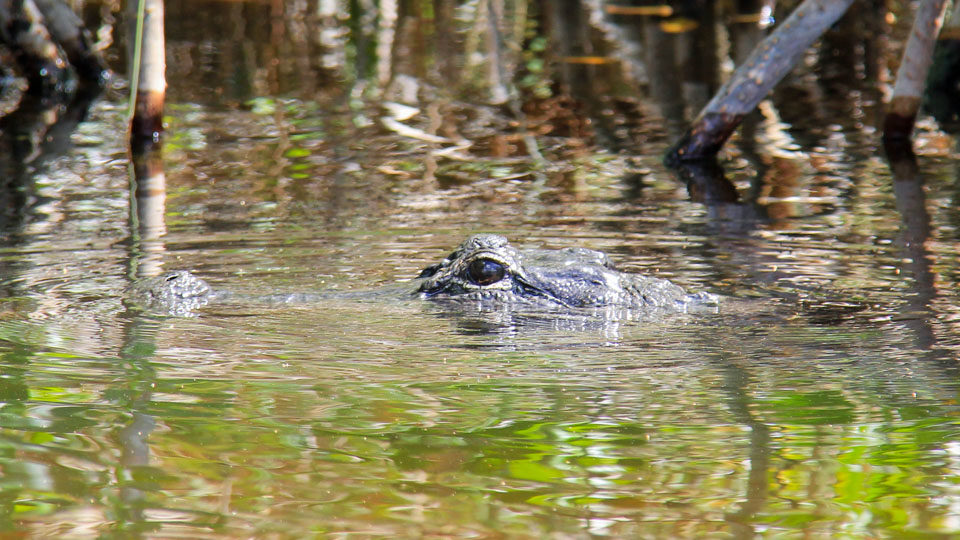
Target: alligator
(485, 272)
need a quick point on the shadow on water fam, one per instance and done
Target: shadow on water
(707, 184)
(736, 381)
(917, 312)
(133, 396)
(834, 412)
(147, 226)
(37, 130)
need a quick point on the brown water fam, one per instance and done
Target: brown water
(821, 402)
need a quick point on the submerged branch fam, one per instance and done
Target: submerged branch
(752, 81)
(912, 74)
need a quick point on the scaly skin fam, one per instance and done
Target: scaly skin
(484, 270)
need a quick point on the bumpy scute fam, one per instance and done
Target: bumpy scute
(487, 271)
(177, 293)
(571, 277)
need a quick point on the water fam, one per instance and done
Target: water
(821, 402)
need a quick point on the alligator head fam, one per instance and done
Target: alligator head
(487, 268)
(484, 269)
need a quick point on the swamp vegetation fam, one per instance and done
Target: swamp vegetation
(343, 145)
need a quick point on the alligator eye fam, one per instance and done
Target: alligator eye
(485, 271)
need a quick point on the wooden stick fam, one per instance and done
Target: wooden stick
(147, 124)
(752, 81)
(912, 74)
(941, 98)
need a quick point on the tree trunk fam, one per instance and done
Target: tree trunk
(752, 81)
(67, 30)
(147, 125)
(912, 74)
(942, 95)
(23, 30)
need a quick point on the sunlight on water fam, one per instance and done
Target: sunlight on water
(302, 155)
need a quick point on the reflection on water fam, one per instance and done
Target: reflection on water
(821, 401)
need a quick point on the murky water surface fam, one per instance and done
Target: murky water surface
(822, 401)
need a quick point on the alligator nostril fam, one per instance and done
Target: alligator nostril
(485, 271)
